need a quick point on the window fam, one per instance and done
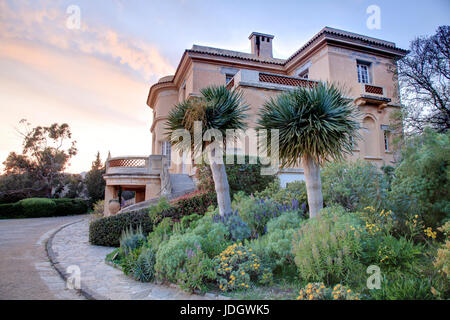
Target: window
(304, 74)
(386, 134)
(363, 72)
(228, 78)
(386, 141)
(166, 150)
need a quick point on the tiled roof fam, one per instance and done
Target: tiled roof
(351, 36)
(235, 54)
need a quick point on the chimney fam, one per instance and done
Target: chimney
(261, 44)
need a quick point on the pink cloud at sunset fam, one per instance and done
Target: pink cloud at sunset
(95, 79)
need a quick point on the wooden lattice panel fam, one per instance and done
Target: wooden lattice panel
(373, 89)
(130, 163)
(286, 81)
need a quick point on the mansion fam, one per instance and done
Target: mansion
(364, 66)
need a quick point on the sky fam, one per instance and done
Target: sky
(95, 75)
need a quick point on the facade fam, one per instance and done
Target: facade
(364, 66)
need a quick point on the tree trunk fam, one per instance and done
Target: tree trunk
(221, 185)
(313, 185)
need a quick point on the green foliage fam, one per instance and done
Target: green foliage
(43, 207)
(45, 155)
(391, 254)
(275, 247)
(327, 250)
(217, 108)
(237, 228)
(294, 191)
(239, 174)
(38, 207)
(196, 202)
(403, 287)
(94, 181)
(353, 185)
(66, 207)
(131, 240)
(319, 122)
(197, 270)
(144, 269)
(154, 211)
(237, 267)
(421, 181)
(11, 210)
(257, 212)
(213, 236)
(190, 221)
(107, 231)
(173, 254)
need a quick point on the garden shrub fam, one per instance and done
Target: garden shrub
(421, 181)
(38, 207)
(66, 207)
(213, 236)
(403, 287)
(326, 249)
(318, 291)
(144, 268)
(275, 247)
(197, 270)
(107, 231)
(131, 240)
(441, 264)
(173, 254)
(197, 202)
(43, 207)
(248, 175)
(294, 191)
(237, 228)
(257, 212)
(11, 210)
(237, 266)
(353, 185)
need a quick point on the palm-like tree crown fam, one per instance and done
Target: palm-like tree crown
(319, 122)
(217, 108)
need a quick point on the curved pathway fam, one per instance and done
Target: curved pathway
(70, 247)
(25, 271)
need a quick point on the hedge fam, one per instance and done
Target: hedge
(107, 231)
(43, 207)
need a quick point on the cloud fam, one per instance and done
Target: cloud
(46, 24)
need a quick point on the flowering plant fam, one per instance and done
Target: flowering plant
(237, 266)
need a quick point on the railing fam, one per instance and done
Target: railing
(246, 77)
(129, 162)
(286, 81)
(372, 89)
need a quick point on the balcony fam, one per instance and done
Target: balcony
(135, 165)
(251, 78)
(373, 95)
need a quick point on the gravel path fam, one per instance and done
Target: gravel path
(25, 271)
